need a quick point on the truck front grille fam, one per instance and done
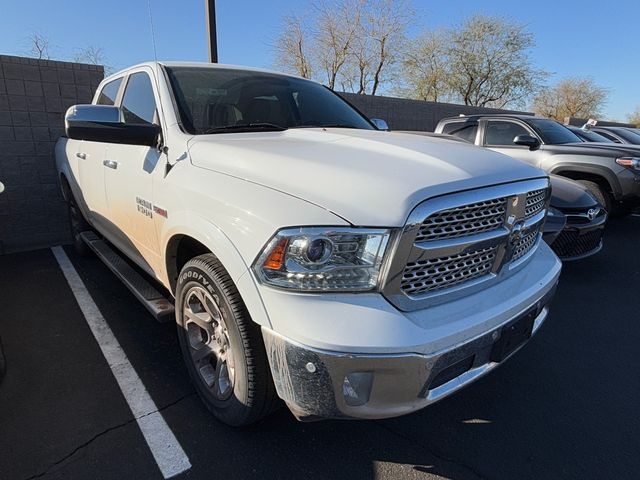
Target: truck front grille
(462, 221)
(458, 242)
(438, 273)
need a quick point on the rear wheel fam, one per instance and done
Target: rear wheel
(222, 347)
(603, 196)
(78, 224)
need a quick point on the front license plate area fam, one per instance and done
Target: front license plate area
(512, 336)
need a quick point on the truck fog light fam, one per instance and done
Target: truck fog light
(356, 388)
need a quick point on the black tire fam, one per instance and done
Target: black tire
(249, 393)
(604, 197)
(78, 224)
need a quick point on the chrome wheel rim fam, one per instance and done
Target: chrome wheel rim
(208, 341)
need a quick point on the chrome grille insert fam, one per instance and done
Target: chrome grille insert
(462, 221)
(438, 273)
(536, 201)
(524, 245)
(457, 244)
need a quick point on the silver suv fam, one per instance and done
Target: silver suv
(611, 172)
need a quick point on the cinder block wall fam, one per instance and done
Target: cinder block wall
(34, 94)
(406, 114)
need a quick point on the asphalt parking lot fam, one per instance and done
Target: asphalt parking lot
(566, 406)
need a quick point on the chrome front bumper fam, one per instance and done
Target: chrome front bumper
(318, 384)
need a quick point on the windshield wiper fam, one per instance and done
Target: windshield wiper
(247, 127)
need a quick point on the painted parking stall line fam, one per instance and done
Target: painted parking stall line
(164, 446)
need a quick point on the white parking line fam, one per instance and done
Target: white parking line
(163, 444)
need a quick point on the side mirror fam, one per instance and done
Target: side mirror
(1, 187)
(380, 124)
(527, 141)
(104, 123)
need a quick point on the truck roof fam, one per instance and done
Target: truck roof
(154, 64)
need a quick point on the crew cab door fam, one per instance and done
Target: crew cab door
(89, 157)
(498, 135)
(129, 175)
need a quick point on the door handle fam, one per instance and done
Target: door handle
(81, 155)
(110, 164)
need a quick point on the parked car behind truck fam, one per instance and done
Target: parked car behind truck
(351, 272)
(610, 172)
(575, 225)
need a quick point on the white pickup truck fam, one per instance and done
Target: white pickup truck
(352, 272)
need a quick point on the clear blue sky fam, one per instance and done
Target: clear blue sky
(573, 37)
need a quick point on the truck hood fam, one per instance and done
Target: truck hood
(367, 177)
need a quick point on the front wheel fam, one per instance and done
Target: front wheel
(222, 347)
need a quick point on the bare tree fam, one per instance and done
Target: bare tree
(94, 56)
(338, 24)
(425, 69)
(379, 42)
(39, 46)
(571, 97)
(352, 44)
(490, 62)
(634, 117)
(292, 47)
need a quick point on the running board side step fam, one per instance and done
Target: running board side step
(157, 304)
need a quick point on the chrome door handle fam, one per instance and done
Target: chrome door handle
(81, 155)
(110, 164)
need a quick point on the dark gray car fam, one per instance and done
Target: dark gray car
(610, 171)
(589, 135)
(624, 135)
(582, 234)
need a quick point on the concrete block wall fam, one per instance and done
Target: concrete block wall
(34, 94)
(406, 114)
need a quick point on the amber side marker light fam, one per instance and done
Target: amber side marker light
(275, 260)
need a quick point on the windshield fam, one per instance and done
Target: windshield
(552, 132)
(222, 100)
(592, 136)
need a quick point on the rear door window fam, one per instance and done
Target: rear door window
(138, 103)
(463, 130)
(109, 92)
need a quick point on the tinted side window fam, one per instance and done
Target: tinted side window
(109, 92)
(138, 103)
(608, 135)
(463, 130)
(503, 133)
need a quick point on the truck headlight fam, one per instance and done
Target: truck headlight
(319, 259)
(631, 162)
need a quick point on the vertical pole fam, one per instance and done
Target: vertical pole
(210, 6)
